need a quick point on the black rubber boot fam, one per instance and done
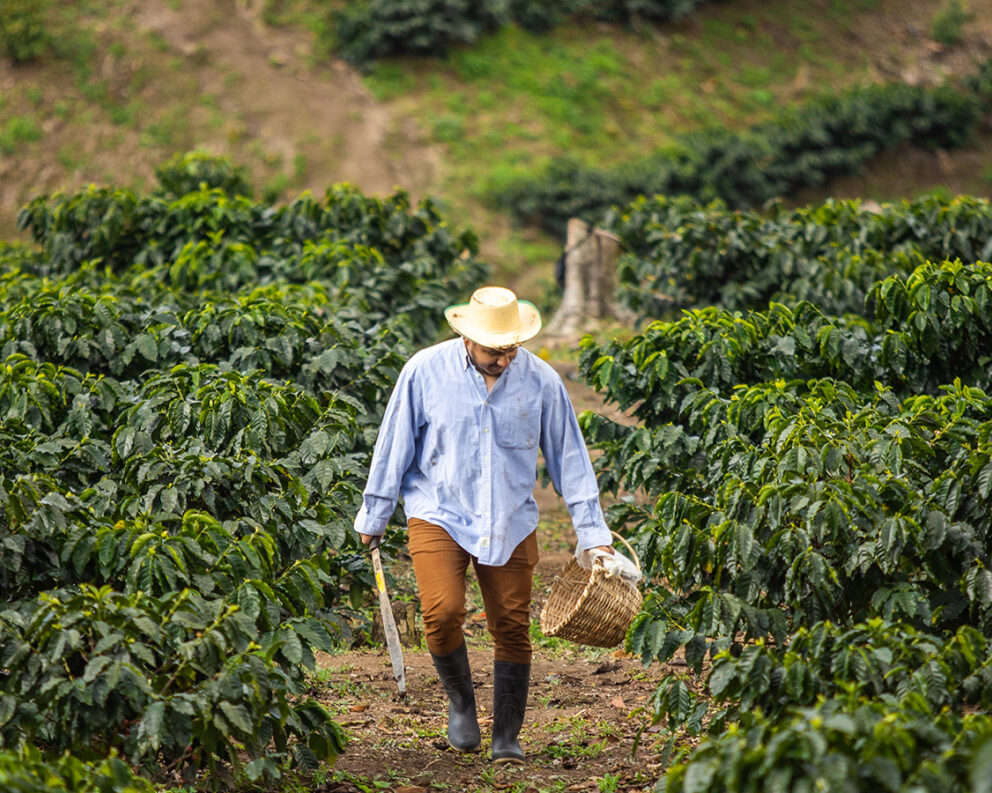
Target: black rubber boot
(456, 677)
(510, 684)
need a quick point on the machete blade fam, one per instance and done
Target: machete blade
(388, 623)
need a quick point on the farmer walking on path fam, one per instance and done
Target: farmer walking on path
(459, 442)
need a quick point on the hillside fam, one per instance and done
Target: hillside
(127, 84)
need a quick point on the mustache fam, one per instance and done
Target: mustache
(492, 368)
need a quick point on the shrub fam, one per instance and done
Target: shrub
(22, 29)
(948, 23)
(178, 681)
(25, 770)
(981, 84)
(188, 173)
(175, 513)
(682, 252)
(840, 745)
(876, 659)
(802, 146)
(372, 29)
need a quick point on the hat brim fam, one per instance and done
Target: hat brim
(461, 323)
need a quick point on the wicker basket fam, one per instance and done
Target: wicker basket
(588, 608)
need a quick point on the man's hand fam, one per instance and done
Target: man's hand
(367, 539)
(585, 558)
(614, 563)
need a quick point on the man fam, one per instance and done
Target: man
(459, 442)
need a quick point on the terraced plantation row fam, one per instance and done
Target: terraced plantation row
(191, 387)
(816, 481)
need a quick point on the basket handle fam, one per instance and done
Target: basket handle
(633, 553)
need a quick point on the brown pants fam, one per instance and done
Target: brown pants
(440, 565)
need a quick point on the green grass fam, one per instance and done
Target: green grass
(17, 131)
(577, 737)
(517, 97)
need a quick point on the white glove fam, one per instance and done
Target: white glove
(613, 563)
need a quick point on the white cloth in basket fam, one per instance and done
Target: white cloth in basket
(613, 563)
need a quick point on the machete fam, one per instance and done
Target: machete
(388, 623)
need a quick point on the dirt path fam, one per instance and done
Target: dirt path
(587, 726)
(588, 721)
(580, 730)
(323, 114)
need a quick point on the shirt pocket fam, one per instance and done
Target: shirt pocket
(518, 427)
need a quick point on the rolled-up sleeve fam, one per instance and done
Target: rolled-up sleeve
(393, 453)
(571, 471)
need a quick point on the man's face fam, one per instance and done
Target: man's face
(489, 361)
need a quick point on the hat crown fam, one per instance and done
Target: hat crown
(495, 309)
(494, 318)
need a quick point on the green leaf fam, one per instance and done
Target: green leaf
(291, 647)
(249, 600)
(699, 775)
(152, 724)
(124, 442)
(8, 706)
(744, 541)
(304, 757)
(236, 715)
(147, 346)
(323, 472)
(721, 676)
(985, 480)
(259, 768)
(840, 722)
(980, 773)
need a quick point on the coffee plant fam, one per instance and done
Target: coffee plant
(808, 482)
(167, 680)
(803, 146)
(682, 253)
(187, 173)
(27, 771)
(873, 659)
(926, 329)
(849, 745)
(368, 30)
(23, 32)
(191, 386)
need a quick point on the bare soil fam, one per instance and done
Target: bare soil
(583, 720)
(209, 76)
(286, 104)
(587, 723)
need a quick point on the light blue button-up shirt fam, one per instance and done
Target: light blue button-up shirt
(466, 459)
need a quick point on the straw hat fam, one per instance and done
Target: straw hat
(494, 318)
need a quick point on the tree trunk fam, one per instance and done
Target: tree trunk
(590, 280)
